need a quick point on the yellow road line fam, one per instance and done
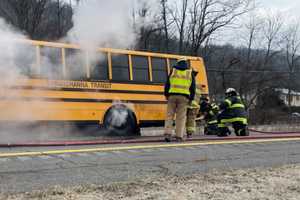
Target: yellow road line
(153, 146)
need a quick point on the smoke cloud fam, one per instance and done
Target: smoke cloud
(97, 23)
(102, 23)
(8, 69)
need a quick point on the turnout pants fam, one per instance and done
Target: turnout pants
(177, 106)
(239, 123)
(191, 120)
(211, 127)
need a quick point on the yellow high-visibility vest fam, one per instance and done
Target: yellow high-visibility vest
(180, 81)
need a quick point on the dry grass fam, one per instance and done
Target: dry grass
(253, 184)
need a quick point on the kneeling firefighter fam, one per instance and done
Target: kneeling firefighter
(210, 115)
(234, 112)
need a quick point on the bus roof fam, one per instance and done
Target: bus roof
(108, 50)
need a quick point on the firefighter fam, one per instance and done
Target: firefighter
(210, 115)
(179, 91)
(233, 111)
(193, 110)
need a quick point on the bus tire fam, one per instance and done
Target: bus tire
(119, 120)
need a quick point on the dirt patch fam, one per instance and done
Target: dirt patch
(253, 184)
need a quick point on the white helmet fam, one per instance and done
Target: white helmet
(230, 92)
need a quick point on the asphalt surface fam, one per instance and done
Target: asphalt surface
(27, 173)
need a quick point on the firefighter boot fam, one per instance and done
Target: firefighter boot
(168, 137)
(189, 135)
(240, 129)
(211, 129)
(223, 131)
(243, 131)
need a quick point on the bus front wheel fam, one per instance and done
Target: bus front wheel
(119, 120)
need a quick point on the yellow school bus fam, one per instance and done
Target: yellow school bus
(120, 89)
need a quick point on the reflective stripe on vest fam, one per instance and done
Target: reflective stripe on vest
(237, 105)
(222, 125)
(191, 129)
(180, 81)
(235, 119)
(212, 122)
(228, 102)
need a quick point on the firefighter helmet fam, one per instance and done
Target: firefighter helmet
(182, 62)
(230, 92)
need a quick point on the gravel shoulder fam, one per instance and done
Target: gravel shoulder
(253, 184)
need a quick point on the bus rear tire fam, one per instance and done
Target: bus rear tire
(119, 120)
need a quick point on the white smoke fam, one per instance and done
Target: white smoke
(102, 23)
(17, 60)
(8, 48)
(120, 115)
(97, 23)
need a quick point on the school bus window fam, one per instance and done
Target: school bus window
(25, 62)
(99, 70)
(75, 64)
(140, 68)
(159, 70)
(120, 67)
(172, 62)
(51, 64)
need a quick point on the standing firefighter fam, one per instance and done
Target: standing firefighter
(233, 111)
(179, 90)
(193, 110)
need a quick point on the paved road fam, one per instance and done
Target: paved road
(26, 173)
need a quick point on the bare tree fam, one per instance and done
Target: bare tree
(271, 30)
(251, 36)
(39, 19)
(265, 32)
(59, 13)
(165, 22)
(209, 16)
(25, 15)
(180, 19)
(253, 61)
(149, 25)
(56, 21)
(292, 47)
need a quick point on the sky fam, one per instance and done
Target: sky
(290, 6)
